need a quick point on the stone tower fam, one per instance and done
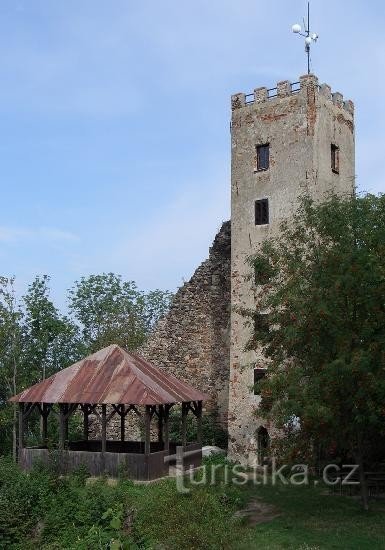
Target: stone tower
(287, 140)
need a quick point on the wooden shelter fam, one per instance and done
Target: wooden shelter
(112, 382)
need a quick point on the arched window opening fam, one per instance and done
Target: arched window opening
(263, 440)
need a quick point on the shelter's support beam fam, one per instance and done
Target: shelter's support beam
(21, 425)
(44, 427)
(69, 412)
(196, 408)
(133, 408)
(122, 409)
(93, 410)
(104, 428)
(199, 422)
(185, 409)
(160, 423)
(153, 411)
(44, 410)
(122, 412)
(122, 423)
(147, 430)
(66, 431)
(113, 412)
(71, 409)
(166, 434)
(86, 409)
(62, 425)
(28, 409)
(86, 423)
(66, 410)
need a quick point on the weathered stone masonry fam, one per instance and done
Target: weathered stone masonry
(300, 124)
(193, 339)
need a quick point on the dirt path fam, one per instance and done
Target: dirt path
(257, 512)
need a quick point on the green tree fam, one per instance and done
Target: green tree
(10, 352)
(323, 286)
(111, 310)
(50, 340)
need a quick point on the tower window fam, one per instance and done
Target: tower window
(335, 158)
(258, 375)
(261, 322)
(263, 439)
(263, 156)
(262, 212)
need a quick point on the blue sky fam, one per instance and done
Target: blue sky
(114, 150)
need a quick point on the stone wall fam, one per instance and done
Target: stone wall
(193, 340)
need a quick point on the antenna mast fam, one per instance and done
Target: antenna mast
(309, 37)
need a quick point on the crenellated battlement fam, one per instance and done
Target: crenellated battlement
(286, 88)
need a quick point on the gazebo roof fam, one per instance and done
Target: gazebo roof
(111, 376)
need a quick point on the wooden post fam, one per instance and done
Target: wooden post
(122, 423)
(21, 426)
(62, 430)
(66, 420)
(160, 423)
(86, 428)
(45, 412)
(199, 422)
(184, 423)
(166, 435)
(104, 428)
(147, 427)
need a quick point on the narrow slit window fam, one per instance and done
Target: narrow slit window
(335, 158)
(262, 212)
(263, 156)
(261, 322)
(258, 375)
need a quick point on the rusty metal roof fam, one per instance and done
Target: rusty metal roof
(111, 376)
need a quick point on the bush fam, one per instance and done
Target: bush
(22, 499)
(44, 510)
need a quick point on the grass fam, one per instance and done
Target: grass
(314, 519)
(41, 510)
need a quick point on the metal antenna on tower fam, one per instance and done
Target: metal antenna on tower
(309, 37)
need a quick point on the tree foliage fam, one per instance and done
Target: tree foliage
(323, 286)
(50, 339)
(110, 310)
(10, 349)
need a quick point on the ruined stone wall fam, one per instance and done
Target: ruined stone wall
(193, 340)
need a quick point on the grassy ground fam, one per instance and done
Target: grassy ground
(314, 519)
(44, 511)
